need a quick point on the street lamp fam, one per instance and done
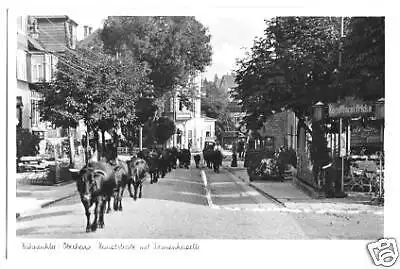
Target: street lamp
(380, 109)
(318, 111)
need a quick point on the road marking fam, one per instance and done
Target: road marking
(208, 192)
(237, 195)
(180, 180)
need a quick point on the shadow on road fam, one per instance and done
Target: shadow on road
(45, 215)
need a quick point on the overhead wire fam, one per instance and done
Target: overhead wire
(88, 62)
(71, 50)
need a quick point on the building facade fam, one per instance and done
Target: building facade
(192, 128)
(40, 41)
(279, 129)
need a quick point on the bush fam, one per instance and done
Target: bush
(27, 143)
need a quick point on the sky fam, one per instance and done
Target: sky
(231, 36)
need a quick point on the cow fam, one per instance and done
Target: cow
(184, 158)
(152, 157)
(173, 157)
(164, 162)
(96, 183)
(216, 159)
(207, 156)
(139, 171)
(122, 177)
(197, 160)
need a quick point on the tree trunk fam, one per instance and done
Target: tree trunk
(96, 138)
(87, 153)
(72, 148)
(103, 143)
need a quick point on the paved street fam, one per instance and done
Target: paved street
(177, 207)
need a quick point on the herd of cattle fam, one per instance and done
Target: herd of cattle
(100, 181)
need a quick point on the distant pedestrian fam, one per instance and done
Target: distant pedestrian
(240, 149)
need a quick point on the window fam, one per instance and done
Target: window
(35, 113)
(180, 105)
(37, 73)
(208, 134)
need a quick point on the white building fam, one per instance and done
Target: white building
(193, 129)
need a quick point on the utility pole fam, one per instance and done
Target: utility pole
(341, 120)
(141, 132)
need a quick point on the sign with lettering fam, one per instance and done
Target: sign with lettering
(349, 110)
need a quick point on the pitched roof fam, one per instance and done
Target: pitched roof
(34, 44)
(208, 118)
(53, 32)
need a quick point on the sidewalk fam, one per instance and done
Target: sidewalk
(296, 200)
(33, 197)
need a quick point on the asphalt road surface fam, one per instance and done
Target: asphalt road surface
(181, 206)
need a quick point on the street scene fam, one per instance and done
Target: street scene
(160, 127)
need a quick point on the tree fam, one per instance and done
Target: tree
(364, 58)
(173, 48)
(164, 129)
(296, 63)
(27, 143)
(103, 93)
(214, 105)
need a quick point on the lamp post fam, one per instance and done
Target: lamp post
(318, 111)
(380, 115)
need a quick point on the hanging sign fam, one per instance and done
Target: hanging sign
(349, 110)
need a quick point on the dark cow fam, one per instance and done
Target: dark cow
(152, 157)
(173, 157)
(139, 171)
(197, 160)
(184, 158)
(216, 159)
(122, 178)
(95, 184)
(207, 156)
(164, 162)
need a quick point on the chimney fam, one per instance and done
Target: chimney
(33, 27)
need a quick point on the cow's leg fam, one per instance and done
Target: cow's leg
(140, 193)
(135, 185)
(97, 212)
(116, 199)
(102, 209)
(87, 213)
(130, 187)
(120, 195)
(108, 204)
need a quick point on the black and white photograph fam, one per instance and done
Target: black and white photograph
(145, 131)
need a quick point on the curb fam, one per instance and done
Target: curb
(269, 196)
(290, 209)
(262, 192)
(307, 189)
(44, 205)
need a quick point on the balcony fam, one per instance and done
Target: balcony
(184, 115)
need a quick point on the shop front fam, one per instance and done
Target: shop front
(355, 139)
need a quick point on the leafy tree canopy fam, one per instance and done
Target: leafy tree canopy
(295, 64)
(173, 48)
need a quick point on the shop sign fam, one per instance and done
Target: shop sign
(349, 110)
